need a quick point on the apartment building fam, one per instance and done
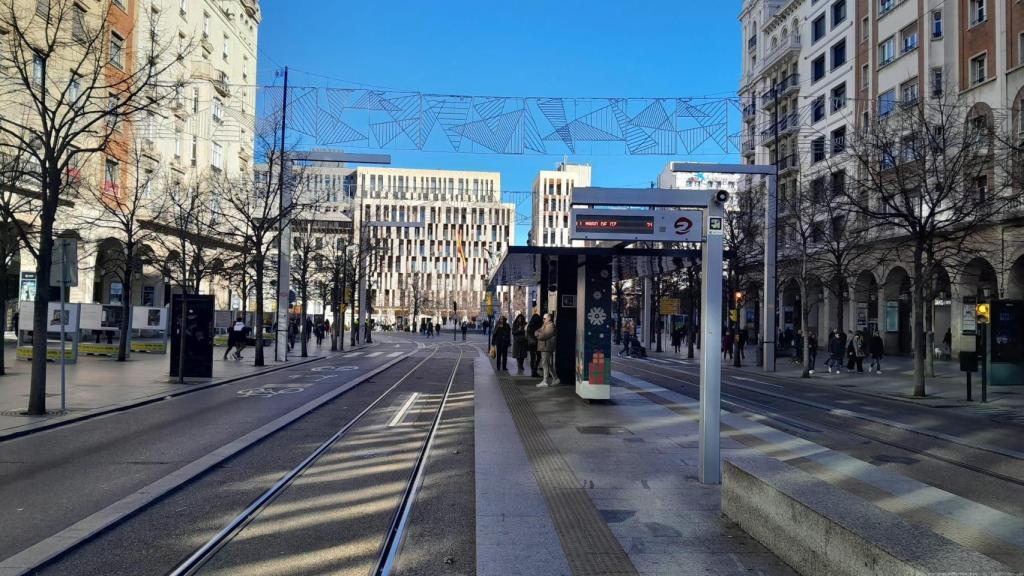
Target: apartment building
(814, 70)
(423, 269)
(552, 194)
(698, 180)
(211, 125)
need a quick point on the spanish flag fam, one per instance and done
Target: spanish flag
(459, 250)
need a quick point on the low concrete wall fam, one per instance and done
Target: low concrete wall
(819, 529)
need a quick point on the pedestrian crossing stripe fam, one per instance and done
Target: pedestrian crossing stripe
(372, 354)
(350, 354)
(395, 354)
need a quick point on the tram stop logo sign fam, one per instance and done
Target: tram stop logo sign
(683, 225)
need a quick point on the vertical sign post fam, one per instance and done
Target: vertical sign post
(709, 465)
(65, 252)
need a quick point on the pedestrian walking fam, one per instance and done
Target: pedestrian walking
(743, 343)
(437, 328)
(798, 348)
(430, 327)
(860, 350)
(812, 350)
(876, 348)
(318, 331)
(293, 332)
(519, 345)
(947, 344)
(501, 340)
(307, 329)
(851, 358)
(546, 346)
(532, 326)
(677, 339)
(465, 327)
(835, 352)
(727, 340)
(232, 338)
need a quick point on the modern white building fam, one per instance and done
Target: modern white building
(698, 180)
(421, 270)
(552, 193)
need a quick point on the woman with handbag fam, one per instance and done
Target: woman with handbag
(519, 345)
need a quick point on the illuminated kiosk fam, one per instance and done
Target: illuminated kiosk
(578, 284)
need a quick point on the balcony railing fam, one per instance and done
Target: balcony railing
(752, 43)
(787, 163)
(787, 47)
(786, 86)
(750, 111)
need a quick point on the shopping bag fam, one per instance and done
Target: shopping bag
(493, 352)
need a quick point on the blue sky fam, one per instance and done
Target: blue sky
(568, 48)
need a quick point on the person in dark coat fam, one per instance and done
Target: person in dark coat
(677, 339)
(812, 350)
(531, 344)
(465, 327)
(501, 339)
(835, 352)
(519, 345)
(876, 348)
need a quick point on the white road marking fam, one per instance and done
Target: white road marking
(395, 354)
(350, 354)
(754, 381)
(373, 354)
(403, 410)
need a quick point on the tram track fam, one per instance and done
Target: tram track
(391, 541)
(808, 425)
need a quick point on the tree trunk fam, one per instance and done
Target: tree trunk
(126, 303)
(3, 317)
(259, 312)
(302, 318)
(805, 318)
(37, 387)
(917, 332)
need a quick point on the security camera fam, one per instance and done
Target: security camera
(721, 197)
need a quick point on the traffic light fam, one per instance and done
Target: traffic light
(983, 312)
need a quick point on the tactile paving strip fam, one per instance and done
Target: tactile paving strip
(589, 545)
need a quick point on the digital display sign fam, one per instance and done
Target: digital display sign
(637, 225)
(640, 225)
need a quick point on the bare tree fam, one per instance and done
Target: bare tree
(67, 91)
(925, 177)
(251, 214)
(122, 212)
(16, 213)
(335, 270)
(307, 256)
(744, 226)
(186, 230)
(800, 231)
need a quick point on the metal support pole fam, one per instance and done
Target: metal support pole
(709, 466)
(284, 241)
(645, 317)
(63, 321)
(768, 302)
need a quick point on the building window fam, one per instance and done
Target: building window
(206, 25)
(116, 50)
(937, 24)
(886, 102)
(885, 5)
(937, 82)
(227, 45)
(909, 92)
(195, 100)
(865, 77)
(839, 97)
(195, 151)
(818, 149)
(978, 69)
(37, 68)
(908, 37)
(818, 109)
(78, 23)
(981, 188)
(217, 110)
(838, 12)
(839, 140)
(177, 144)
(818, 29)
(183, 7)
(977, 13)
(1020, 49)
(838, 54)
(111, 171)
(886, 51)
(865, 29)
(818, 68)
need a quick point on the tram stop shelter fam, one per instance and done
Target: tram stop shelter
(575, 284)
